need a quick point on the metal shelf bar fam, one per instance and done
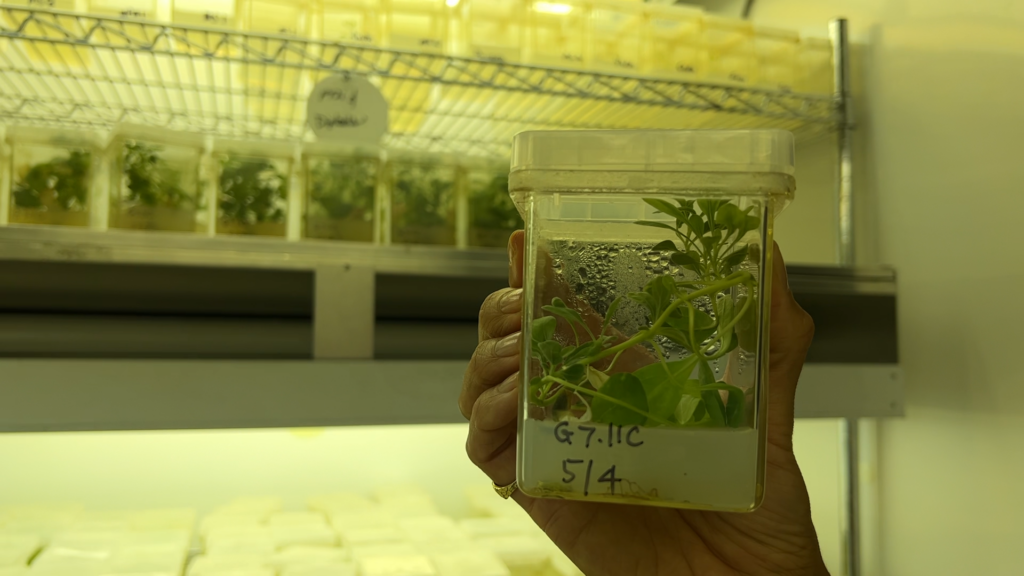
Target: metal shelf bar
(74, 69)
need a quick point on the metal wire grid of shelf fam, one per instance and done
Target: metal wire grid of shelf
(71, 69)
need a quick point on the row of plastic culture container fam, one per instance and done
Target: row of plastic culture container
(602, 35)
(156, 180)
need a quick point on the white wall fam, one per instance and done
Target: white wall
(941, 176)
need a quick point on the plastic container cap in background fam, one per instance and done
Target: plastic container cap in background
(751, 151)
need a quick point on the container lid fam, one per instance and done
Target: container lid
(770, 151)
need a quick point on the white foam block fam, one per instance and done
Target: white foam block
(470, 563)
(396, 566)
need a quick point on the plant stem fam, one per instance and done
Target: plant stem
(732, 323)
(596, 394)
(732, 280)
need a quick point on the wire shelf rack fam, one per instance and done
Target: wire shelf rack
(72, 69)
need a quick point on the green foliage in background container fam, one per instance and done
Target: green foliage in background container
(342, 189)
(151, 181)
(60, 184)
(491, 207)
(426, 191)
(252, 191)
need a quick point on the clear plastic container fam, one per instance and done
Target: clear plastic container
(492, 214)
(674, 41)
(777, 53)
(145, 9)
(341, 189)
(492, 30)
(214, 13)
(252, 187)
(648, 263)
(617, 35)
(155, 180)
(423, 199)
(350, 21)
(728, 50)
(420, 25)
(52, 176)
(289, 17)
(815, 71)
(557, 32)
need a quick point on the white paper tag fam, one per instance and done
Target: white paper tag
(347, 108)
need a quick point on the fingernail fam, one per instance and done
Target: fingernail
(512, 301)
(507, 346)
(509, 384)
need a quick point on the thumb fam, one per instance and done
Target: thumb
(791, 331)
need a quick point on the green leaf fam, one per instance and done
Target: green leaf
(705, 374)
(575, 373)
(685, 205)
(596, 378)
(664, 384)
(696, 224)
(736, 258)
(735, 409)
(655, 225)
(543, 329)
(729, 216)
(685, 260)
(550, 351)
(715, 407)
(666, 208)
(658, 295)
(622, 401)
(700, 412)
(710, 208)
(567, 314)
(584, 350)
(664, 246)
(610, 314)
(751, 223)
(686, 408)
(681, 320)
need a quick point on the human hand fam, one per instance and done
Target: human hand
(616, 539)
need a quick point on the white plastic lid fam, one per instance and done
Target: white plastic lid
(763, 151)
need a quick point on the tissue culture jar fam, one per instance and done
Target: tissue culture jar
(674, 40)
(51, 183)
(617, 32)
(252, 194)
(340, 194)
(155, 186)
(647, 282)
(357, 21)
(422, 201)
(728, 50)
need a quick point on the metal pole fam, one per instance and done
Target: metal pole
(841, 94)
(851, 449)
(847, 257)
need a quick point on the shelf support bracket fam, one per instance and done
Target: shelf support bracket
(343, 312)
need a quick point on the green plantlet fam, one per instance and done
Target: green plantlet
(492, 208)
(343, 189)
(710, 245)
(62, 184)
(150, 181)
(252, 191)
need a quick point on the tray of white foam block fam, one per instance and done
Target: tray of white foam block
(393, 531)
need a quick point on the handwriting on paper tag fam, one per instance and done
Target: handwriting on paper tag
(348, 109)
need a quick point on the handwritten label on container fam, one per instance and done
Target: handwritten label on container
(347, 108)
(593, 436)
